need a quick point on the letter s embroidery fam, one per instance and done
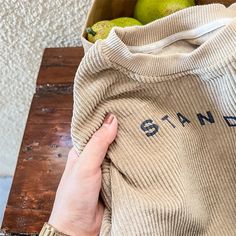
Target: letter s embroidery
(149, 128)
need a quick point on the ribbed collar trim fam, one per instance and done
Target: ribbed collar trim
(217, 48)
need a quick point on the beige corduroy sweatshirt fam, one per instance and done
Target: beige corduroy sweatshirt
(172, 85)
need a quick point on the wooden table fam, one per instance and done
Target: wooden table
(45, 144)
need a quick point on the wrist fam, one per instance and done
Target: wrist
(49, 229)
(68, 230)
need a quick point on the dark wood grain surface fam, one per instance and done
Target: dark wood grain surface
(45, 144)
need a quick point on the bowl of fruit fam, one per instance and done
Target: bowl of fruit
(106, 14)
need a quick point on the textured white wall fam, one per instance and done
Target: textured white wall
(26, 28)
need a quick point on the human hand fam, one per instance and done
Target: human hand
(77, 210)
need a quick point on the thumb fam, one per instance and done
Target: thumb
(94, 152)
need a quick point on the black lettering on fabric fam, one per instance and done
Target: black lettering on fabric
(182, 119)
(208, 118)
(228, 118)
(166, 118)
(149, 127)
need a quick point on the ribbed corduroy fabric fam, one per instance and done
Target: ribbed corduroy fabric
(172, 168)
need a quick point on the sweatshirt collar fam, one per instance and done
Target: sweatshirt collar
(213, 51)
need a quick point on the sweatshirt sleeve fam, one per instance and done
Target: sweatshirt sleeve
(91, 88)
(92, 95)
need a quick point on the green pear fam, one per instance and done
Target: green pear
(149, 10)
(101, 29)
(125, 21)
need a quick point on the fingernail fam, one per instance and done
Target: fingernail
(108, 119)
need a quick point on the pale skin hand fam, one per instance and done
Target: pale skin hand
(77, 209)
